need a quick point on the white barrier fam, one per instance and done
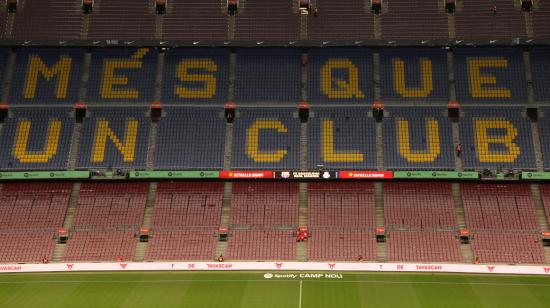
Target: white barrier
(276, 266)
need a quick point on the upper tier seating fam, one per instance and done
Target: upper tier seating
(262, 19)
(110, 205)
(496, 139)
(475, 19)
(195, 20)
(341, 20)
(341, 205)
(540, 68)
(268, 75)
(266, 138)
(265, 205)
(122, 19)
(186, 204)
(419, 206)
(36, 138)
(499, 207)
(114, 137)
(541, 22)
(414, 19)
(191, 138)
(418, 138)
(341, 138)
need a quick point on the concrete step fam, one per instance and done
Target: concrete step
(149, 205)
(547, 254)
(141, 248)
(58, 252)
(381, 252)
(539, 207)
(461, 219)
(301, 251)
(467, 253)
(303, 146)
(302, 205)
(71, 209)
(221, 248)
(228, 146)
(225, 218)
(379, 204)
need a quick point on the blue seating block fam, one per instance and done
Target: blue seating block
(36, 138)
(414, 75)
(353, 142)
(417, 152)
(195, 75)
(268, 75)
(540, 69)
(340, 75)
(544, 135)
(125, 75)
(114, 137)
(266, 138)
(191, 138)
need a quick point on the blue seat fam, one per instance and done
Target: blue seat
(266, 138)
(540, 69)
(114, 137)
(342, 138)
(416, 151)
(544, 135)
(36, 138)
(268, 75)
(191, 138)
(195, 75)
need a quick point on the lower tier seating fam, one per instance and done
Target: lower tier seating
(342, 245)
(261, 245)
(181, 245)
(26, 246)
(423, 246)
(507, 248)
(100, 246)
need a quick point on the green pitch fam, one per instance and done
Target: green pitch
(254, 290)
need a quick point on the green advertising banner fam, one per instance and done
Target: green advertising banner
(43, 175)
(435, 175)
(535, 176)
(174, 174)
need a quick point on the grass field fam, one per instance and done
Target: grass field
(254, 290)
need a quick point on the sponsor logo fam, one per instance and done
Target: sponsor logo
(428, 267)
(490, 268)
(285, 175)
(268, 275)
(331, 265)
(123, 265)
(70, 266)
(220, 265)
(400, 266)
(326, 175)
(10, 268)
(365, 175)
(279, 265)
(546, 270)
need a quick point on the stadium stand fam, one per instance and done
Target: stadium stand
(541, 22)
(342, 245)
(100, 246)
(132, 20)
(544, 136)
(496, 139)
(195, 20)
(114, 137)
(268, 75)
(263, 19)
(545, 197)
(341, 138)
(506, 23)
(110, 205)
(195, 75)
(36, 138)
(191, 138)
(340, 75)
(413, 74)
(122, 75)
(39, 20)
(345, 19)
(423, 246)
(266, 138)
(509, 248)
(540, 69)
(503, 207)
(419, 206)
(417, 138)
(31, 212)
(264, 205)
(494, 75)
(417, 18)
(261, 245)
(4, 54)
(181, 245)
(341, 205)
(187, 204)
(46, 76)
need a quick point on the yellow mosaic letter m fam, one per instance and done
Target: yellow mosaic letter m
(37, 67)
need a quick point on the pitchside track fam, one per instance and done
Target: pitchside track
(271, 290)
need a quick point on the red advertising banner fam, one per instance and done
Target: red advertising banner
(365, 174)
(247, 174)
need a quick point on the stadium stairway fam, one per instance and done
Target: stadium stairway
(59, 249)
(451, 25)
(75, 142)
(141, 247)
(381, 248)
(228, 146)
(302, 247)
(139, 254)
(303, 146)
(466, 249)
(221, 247)
(303, 25)
(379, 147)
(538, 148)
(541, 215)
(151, 150)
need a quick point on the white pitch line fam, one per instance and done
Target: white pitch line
(300, 302)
